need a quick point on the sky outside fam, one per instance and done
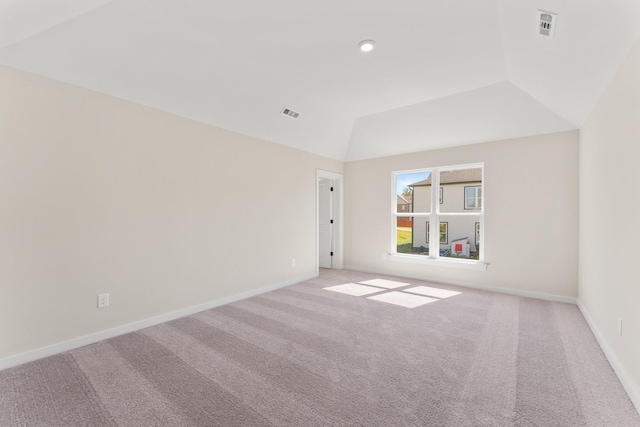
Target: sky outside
(409, 178)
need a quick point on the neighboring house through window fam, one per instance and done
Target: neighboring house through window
(456, 209)
(404, 203)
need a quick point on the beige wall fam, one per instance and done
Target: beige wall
(531, 213)
(100, 195)
(610, 216)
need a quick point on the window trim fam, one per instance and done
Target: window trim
(434, 216)
(461, 263)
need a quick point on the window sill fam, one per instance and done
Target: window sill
(439, 262)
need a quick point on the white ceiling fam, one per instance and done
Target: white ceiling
(442, 74)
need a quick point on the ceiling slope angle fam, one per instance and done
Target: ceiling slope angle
(20, 19)
(496, 112)
(442, 73)
(569, 72)
(236, 65)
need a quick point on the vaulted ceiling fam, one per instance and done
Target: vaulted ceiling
(443, 73)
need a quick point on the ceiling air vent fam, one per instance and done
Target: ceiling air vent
(289, 112)
(547, 22)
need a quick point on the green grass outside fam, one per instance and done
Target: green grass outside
(404, 236)
(406, 248)
(404, 240)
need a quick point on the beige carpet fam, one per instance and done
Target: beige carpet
(309, 356)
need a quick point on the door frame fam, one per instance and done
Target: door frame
(338, 232)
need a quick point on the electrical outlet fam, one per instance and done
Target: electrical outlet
(103, 300)
(293, 262)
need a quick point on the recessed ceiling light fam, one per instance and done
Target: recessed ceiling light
(366, 45)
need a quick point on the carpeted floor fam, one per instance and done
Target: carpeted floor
(307, 356)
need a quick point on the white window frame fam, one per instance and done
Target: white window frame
(434, 217)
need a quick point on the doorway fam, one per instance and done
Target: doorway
(325, 223)
(329, 215)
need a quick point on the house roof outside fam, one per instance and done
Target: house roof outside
(453, 177)
(404, 200)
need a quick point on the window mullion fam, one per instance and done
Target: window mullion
(434, 229)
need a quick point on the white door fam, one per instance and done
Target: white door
(325, 223)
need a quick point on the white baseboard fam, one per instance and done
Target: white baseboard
(42, 352)
(628, 385)
(515, 292)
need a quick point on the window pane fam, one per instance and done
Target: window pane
(411, 236)
(444, 234)
(473, 198)
(413, 190)
(428, 231)
(462, 234)
(455, 209)
(460, 190)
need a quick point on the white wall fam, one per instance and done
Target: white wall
(101, 195)
(610, 218)
(531, 213)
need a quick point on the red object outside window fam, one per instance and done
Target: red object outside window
(458, 247)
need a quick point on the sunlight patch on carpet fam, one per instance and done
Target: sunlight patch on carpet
(382, 283)
(431, 292)
(403, 299)
(409, 298)
(354, 289)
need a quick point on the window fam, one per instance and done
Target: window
(444, 234)
(473, 198)
(456, 219)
